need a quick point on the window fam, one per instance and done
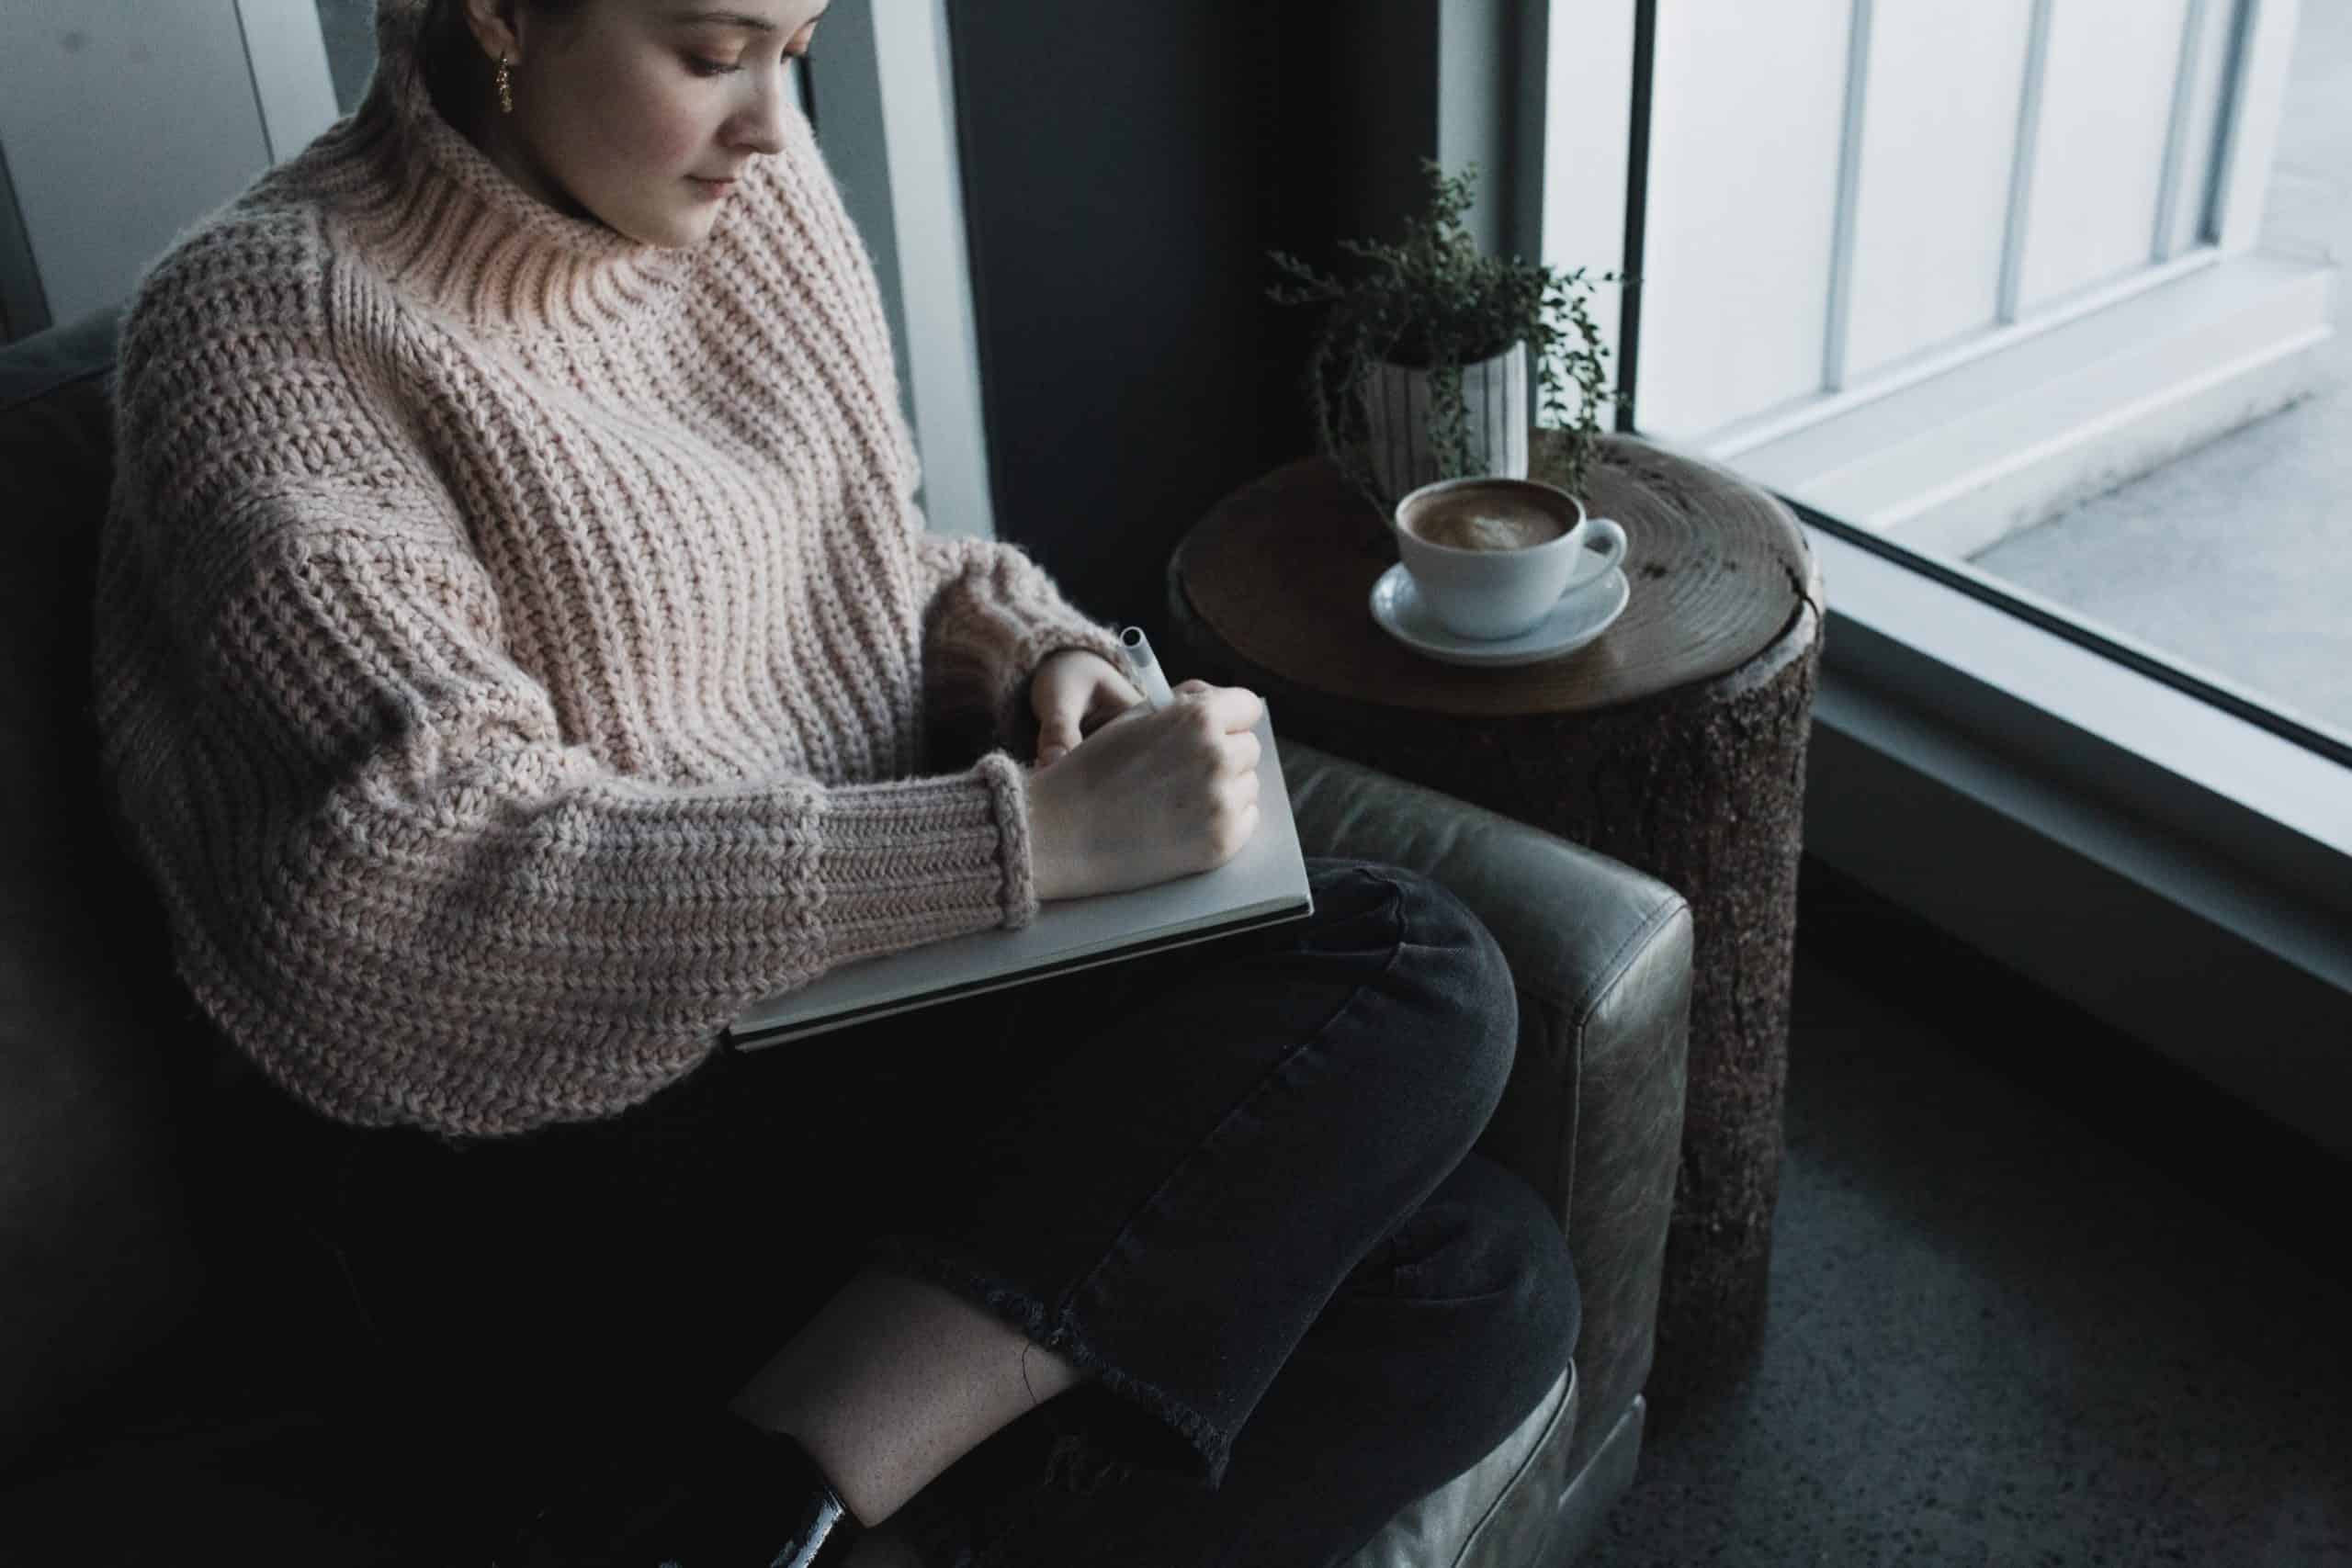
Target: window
(1943, 275)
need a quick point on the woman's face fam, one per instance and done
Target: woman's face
(625, 110)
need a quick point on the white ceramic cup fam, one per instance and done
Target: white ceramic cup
(1491, 593)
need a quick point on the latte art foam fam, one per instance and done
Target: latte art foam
(1476, 521)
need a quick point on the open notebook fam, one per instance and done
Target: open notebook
(1263, 886)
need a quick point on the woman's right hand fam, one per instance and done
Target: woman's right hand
(1149, 797)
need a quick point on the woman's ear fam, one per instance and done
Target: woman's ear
(493, 24)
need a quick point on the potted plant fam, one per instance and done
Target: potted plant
(1427, 318)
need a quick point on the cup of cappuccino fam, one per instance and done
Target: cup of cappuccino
(1491, 556)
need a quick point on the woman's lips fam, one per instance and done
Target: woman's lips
(712, 187)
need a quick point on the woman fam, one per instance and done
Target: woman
(519, 650)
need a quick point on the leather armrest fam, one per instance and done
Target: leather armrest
(1601, 957)
(96, 1215)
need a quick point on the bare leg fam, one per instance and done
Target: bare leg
(892, 1383)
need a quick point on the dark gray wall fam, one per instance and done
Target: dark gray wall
(1126, 166)
(1128, 163)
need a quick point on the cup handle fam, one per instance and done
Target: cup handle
(1611, 552)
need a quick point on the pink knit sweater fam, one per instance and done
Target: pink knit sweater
(517, 646)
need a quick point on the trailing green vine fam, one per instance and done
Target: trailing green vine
(1435, 302)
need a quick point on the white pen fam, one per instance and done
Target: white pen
(1146, 669)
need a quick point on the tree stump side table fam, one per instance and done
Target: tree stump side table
(1675, 743)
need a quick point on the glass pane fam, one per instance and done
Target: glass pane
(2201, 135)
(1939, 128)
(2107, 92)
(2165, 461)
(1747, 115)
(2232, 557)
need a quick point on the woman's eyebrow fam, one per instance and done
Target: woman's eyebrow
(733, 19)
(725, 19)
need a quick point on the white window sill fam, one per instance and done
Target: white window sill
(1957, 452)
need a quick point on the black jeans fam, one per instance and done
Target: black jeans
(1231, 1183)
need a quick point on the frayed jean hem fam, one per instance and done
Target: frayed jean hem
(1164, 1434)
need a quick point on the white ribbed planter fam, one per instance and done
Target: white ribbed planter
(1496, 421)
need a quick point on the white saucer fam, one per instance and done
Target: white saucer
(1580, 617)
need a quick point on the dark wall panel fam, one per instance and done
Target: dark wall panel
(1126, 164)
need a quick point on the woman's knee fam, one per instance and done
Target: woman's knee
(1504, 1249)
(1532, 1236)
(1452, 964)
(1492, 1308)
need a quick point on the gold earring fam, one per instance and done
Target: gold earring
(505, 88)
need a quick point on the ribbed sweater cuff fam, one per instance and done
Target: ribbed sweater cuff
(906, 863)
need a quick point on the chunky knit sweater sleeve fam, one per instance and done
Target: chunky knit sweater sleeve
(398, 882)
(512, 644)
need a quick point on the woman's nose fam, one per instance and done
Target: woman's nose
(760, 128)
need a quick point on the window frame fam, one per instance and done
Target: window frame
(883, 103)
(2071, 802)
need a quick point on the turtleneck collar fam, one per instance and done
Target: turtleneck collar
(452, 228)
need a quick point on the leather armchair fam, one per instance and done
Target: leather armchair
(169, 1373)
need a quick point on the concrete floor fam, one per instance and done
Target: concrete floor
(2014, 1316)
(2271, 610)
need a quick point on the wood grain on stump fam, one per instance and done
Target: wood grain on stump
(1675, 743)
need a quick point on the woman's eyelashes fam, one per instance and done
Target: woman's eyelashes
(702, 67)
